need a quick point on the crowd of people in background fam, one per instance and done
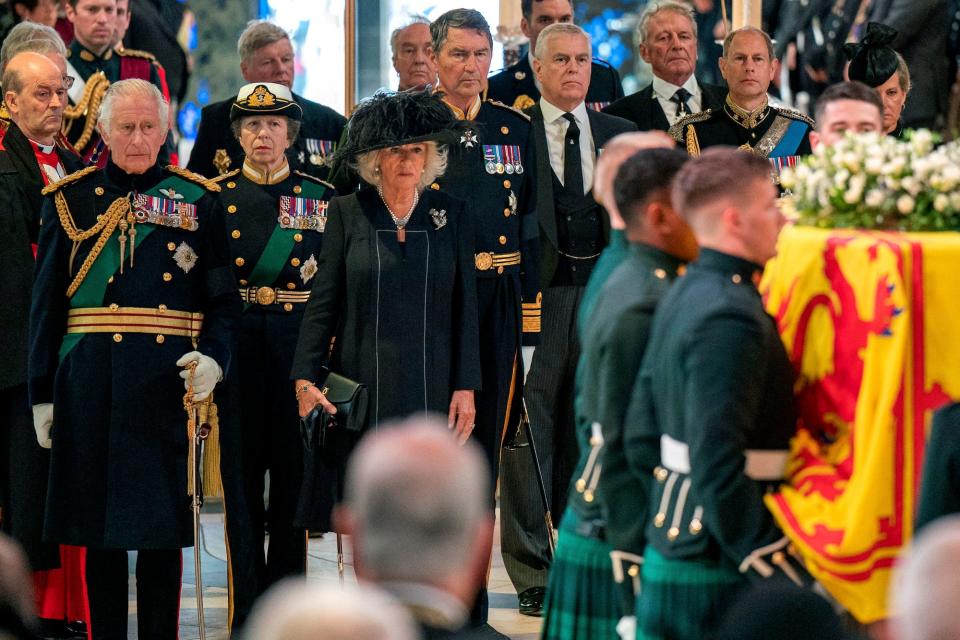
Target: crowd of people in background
(385, 315)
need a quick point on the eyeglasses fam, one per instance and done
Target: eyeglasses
(68, 82)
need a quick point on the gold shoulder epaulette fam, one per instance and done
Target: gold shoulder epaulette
(313, 179)
(137, 53)
(64, 181)
(224, 176)
(506, 107)
(209, 184)
(796, 115)
(676, 131)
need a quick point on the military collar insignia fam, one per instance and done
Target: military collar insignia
(259, 177)
(746, 119)
(88, 56)
(470, 113)
(185, 257)
(439, 218)
(520, 75)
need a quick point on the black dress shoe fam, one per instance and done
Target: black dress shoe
(531, 601)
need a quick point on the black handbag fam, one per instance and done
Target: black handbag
(322, 431)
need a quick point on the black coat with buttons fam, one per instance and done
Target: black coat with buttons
(502, 202)
(118, 471)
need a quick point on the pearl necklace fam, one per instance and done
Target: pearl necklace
(400, 222)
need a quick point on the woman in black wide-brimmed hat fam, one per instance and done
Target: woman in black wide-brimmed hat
(874, 63)
(395, 288)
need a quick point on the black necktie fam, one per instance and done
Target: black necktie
(572, 171)
(681, 97)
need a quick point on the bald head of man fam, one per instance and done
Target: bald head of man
(416, 505)
(614, 153)
(36, 95)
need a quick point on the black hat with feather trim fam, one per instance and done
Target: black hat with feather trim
(391, 119)
(872, 60)
(264, 98)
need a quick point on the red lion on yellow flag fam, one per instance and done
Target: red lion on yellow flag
(857, 312)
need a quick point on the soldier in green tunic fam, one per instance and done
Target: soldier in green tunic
(712, 412)
(659, 242)
(747, 120)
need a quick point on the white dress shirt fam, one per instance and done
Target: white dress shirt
(663, 91)
(556, 127)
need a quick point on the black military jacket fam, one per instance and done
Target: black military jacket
(94, 74)
(118, 463)
(216, 151)
(515, 85)
(770, 135)
(711, 417)
(276, 232)
(493, 168)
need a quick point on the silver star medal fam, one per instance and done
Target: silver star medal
(171, 193)
(301, 157)
(468, 139)
(308, 269)
(512, 201)
(439, 218)
(185, 257)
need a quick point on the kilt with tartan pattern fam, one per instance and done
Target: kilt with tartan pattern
(581, 601)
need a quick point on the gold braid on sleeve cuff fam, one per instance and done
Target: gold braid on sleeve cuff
(531, 315)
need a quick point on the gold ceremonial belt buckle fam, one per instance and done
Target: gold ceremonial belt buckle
(484, 261)
(266, 296)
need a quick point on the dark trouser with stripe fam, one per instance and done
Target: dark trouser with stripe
(158, 593)
(271, 442)
(498, 402)
(549, 397)
(241, 553)
(24, 468)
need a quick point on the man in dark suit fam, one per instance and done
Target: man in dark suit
(416, 510)
(573, 231)
(668, 42)
(518, 86)
(266, 55)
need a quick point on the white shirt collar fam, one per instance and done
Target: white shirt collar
(552, 114)
(666, 89)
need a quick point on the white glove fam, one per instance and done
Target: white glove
(205, 377)
(526, 353)
(627, 627)
(43, 422)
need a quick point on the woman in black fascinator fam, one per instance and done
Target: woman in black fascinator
(876, 64)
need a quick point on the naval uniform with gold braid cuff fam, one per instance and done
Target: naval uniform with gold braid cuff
(127, 267)
(274, 227)
(710, 421)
